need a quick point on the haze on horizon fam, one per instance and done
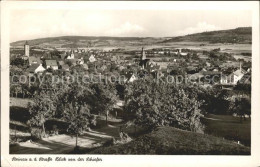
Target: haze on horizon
(33, 24)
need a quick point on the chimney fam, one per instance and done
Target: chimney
(240, 65)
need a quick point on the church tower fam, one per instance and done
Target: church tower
(26, 49)
(143, 56)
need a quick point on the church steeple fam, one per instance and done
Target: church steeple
(143, 56)
(26, 49)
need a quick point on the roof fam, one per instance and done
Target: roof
(129, 76)
(33, 59)
(73, 61)
(238, 72)
(33, 67)
(61, 62)
(63, 55)
(78, 55)
(65, 66)
(51, 63)
(85, 66)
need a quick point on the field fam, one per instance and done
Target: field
(229, 127)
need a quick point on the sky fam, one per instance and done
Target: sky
(32, 24)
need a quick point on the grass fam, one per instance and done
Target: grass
(172, 141)
(229, 127)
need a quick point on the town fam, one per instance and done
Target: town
(200, 65)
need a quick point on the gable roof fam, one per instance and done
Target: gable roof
(65, 67)
(33, 67)
(51, 63)
(33, 59)
(238, 72)
(61, 62)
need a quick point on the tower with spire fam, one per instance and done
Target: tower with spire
(143, 61)
(26, 49)
(143, 56)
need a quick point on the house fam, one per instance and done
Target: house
(70, 56)
(181, 52)
(153, 67)
(51, 64)
(211, 77)
(36, 68)
(34, 60)
(65, 67)
(236, 76)
(92, 59)
(130, 77)
(80, 61)
(208, 64)
(233, 77)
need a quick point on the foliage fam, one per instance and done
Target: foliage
(41, 110)
(244, 88)
(241, 106)
(78, 121)
(215, 101)
(161, 104)
(104, 98)
(19, 62)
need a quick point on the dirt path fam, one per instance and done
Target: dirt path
(212, 118)
(64, 143)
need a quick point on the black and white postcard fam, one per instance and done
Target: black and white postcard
(129, 83)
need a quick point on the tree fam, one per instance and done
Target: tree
(73, 100)
(161, 104)
(241, 107)
(19, 62)
(16, 74)
(41, 110)
(78, 121)
(105, 98)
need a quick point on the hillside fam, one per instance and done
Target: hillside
(172, 141)
(238, 35)
(86, 41)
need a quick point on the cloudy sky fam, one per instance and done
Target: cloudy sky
(31, 24)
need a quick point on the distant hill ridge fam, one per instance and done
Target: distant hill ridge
(238, 35)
